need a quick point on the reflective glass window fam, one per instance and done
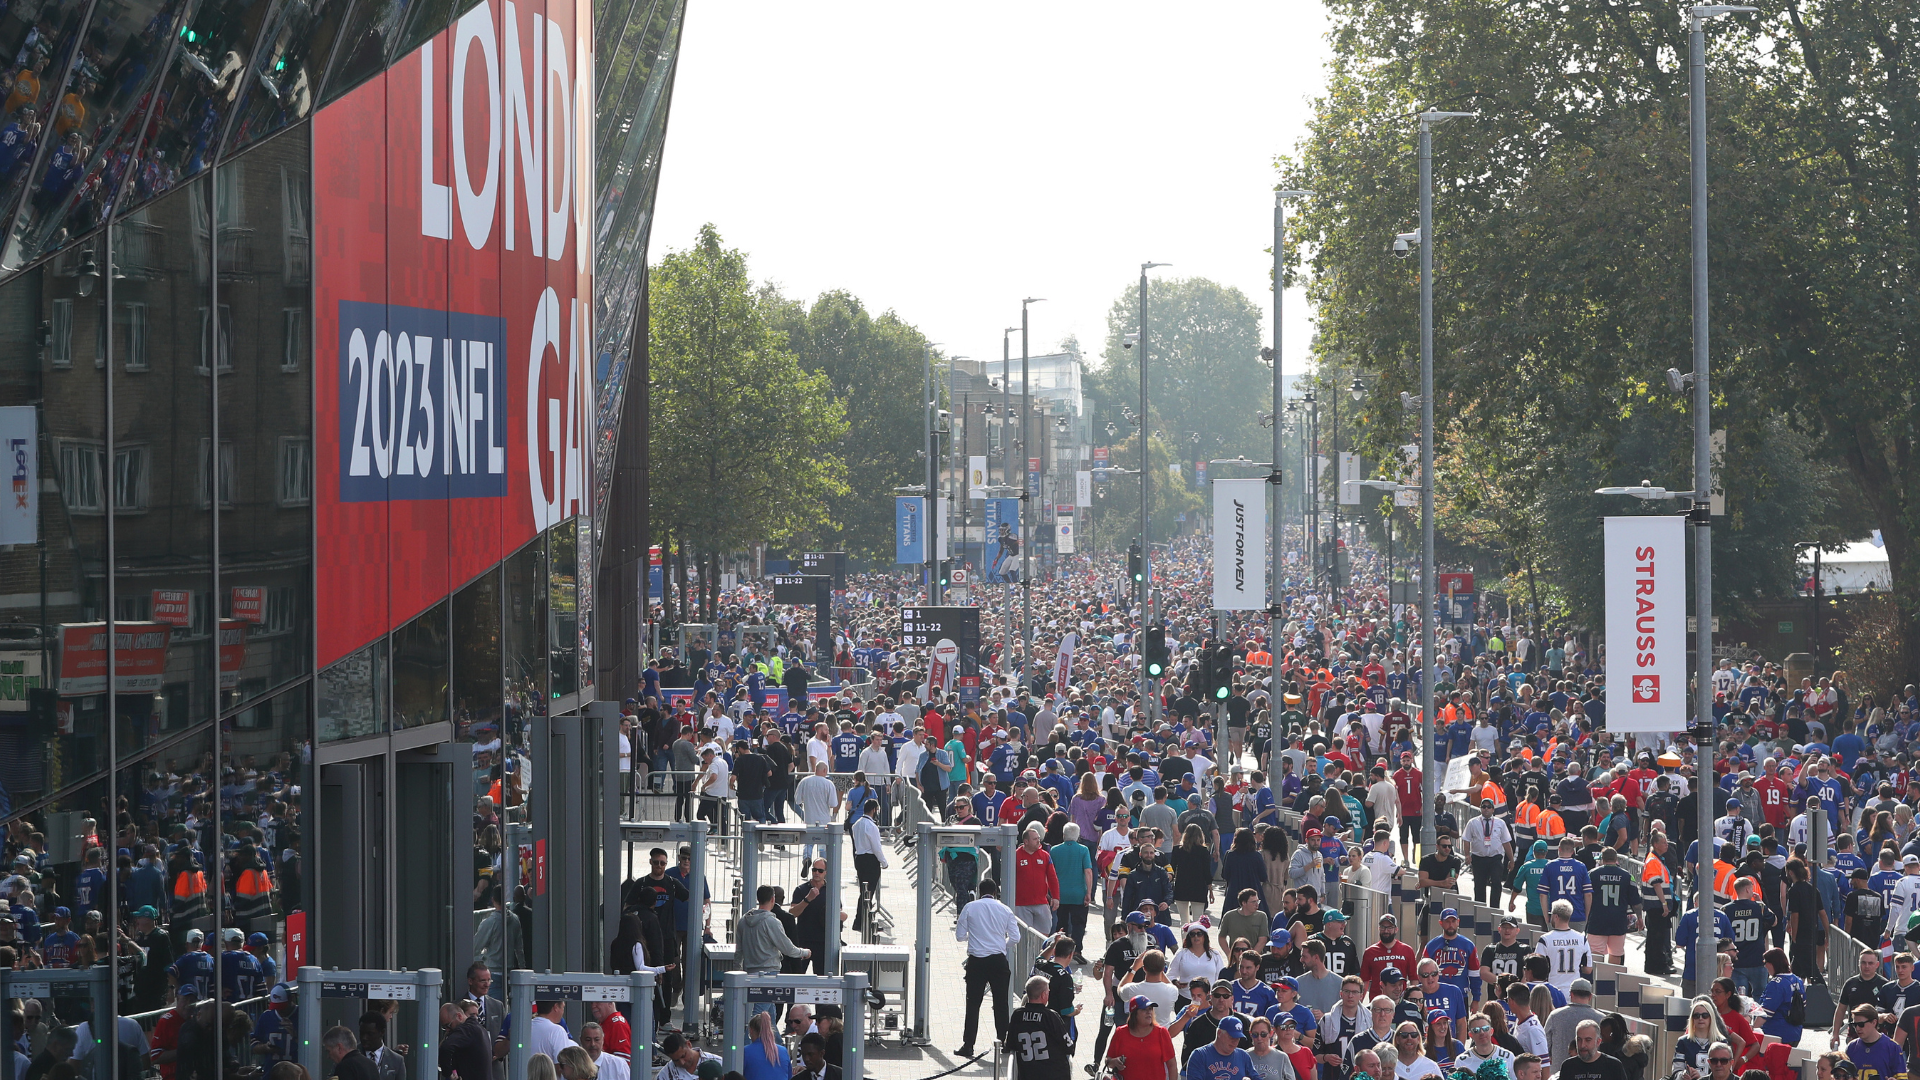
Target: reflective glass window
(563, 608)
(421, 657)
(352, 695)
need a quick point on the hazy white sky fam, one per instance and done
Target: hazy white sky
(947, 160)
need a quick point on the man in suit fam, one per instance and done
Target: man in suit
(813, 1054)
(342, 1048)
(490, 1013)
(466, 1050)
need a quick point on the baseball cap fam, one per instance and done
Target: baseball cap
(1233, 1028)
(711, 1070)
(255, 939)
(196, 936)
(232, 933)
(1136, 918)
(1313, 832)
(145, 912)
(1910, 860)
(278, 994)
(1449, 913)
(1580, 986)
(187, 991)
(1733, 804)
(1335, 915)
(1138, 1002)
(1438, 1014)
(1280, 937)
(1509, 920)
(1287, 981)
(1286, 1022)
(1392, 975)
(62, 913)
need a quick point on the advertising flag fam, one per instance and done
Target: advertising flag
(1002, 545)
(1646, 571)
(1239, 545)
(1083, 488)
(909, 530)
(1349, 478)
(1063, 661)
(977, 476)
(20, 514)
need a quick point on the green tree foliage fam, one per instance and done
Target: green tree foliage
(1204, 374)
(876, 367)
(1562, 264)
(745, 443)
(1116, 514)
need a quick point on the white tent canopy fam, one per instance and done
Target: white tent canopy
(1858, 567)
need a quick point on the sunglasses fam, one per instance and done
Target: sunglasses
(1720, 1061)
(1222, 994)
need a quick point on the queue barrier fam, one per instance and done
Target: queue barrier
(422, 986)
(526, 987)
(94, 985)
(744, 991)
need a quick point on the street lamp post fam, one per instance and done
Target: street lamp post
(1274, 479)
(1028, 519)
(1146, 471)
(1429, 782)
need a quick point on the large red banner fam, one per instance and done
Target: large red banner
(453, 366)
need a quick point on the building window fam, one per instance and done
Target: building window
(296, 241)
(296, 471)
(80, 476)
(130, 469)
(293, 354)
(200, 622)
(60, 334)
(223, 349)
(133, 315)
(227, 462)
(133, 607)
(280, 610)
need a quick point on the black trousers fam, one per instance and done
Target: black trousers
(867, 869)
(1489, 873)
(986, 973)
(1659, 942)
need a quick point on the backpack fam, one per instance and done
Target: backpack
(1797, 1007)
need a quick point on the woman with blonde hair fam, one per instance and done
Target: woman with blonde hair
(574, 1064)
(540, 1067)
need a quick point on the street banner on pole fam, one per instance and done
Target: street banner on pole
(1083, 488)
(1063, 536)
(909, 530)
(1646, 571)
(20, 514)
(1063, 662)
(1349, 478)
(977, 476)
(1002, 545)
(1239, 555)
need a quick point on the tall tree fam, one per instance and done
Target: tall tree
(876, 368)
(746, 444)
(1563, 286)
(1204, 372)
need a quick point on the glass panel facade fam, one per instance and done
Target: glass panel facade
(167, 696)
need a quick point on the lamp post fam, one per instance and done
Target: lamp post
(1027, 517)
(1311, 455)
(1274, 479)
(1146, 545)
(1429, 782)
(931, 447)
(1700, 512)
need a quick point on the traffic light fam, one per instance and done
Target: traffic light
(1221, 662)
(1136, 570)
(946, 572)
(1156, 656)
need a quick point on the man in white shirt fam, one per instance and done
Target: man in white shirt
(612, 1066)
(911, 756)
(818, 799)
(990, 930)
(1489, 849)
(548, 1037)
(817, 748)
(869, 858)
(1378, 866)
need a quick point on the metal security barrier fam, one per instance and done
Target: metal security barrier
(757, 838)
(93, 985)
(672, 834)
(422, 987)
(526, 987)
(930, 838)
(743, 991)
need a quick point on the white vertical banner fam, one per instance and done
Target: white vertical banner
(977, 476)
(1239, 553)
(1083, 488)
(1646, 584)
(1063, 661)
(1063, 536)
(19, 439)
(1349, 478)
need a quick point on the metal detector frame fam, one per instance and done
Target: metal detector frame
(422, 986)
(45, 983)
(755, 835)
(929, 841)
(526, 987)
(852, 987)
(693, 961)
